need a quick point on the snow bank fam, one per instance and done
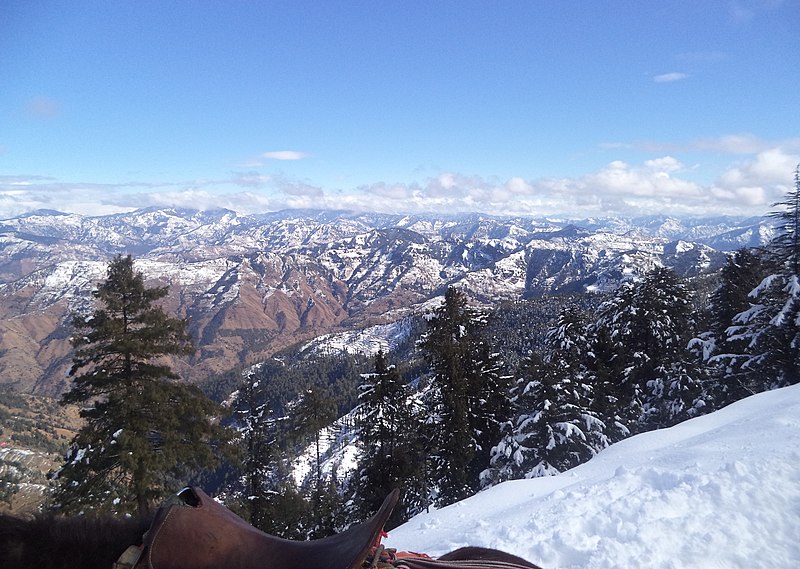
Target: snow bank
(717, 491)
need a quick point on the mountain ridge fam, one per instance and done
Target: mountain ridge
(251, 285)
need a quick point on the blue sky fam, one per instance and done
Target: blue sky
(537, 108)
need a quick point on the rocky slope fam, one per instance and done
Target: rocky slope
(251, 285)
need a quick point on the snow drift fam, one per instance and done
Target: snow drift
(721, 490)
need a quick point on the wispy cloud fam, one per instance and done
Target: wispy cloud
(250, 179)
(301, 189)
(279, 155)
(734, 144)
(284, 155)
(741, 143)
(670, 77)
(745, 11)
(614, 145)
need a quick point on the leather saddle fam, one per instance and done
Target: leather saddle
(200, 533)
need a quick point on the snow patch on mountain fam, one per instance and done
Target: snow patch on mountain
(368, 341)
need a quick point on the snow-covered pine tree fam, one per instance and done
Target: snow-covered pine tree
(556, 428)
(569, 350)
(269, 490)
(387, 427)
(492, 409)
(310, 413)
(771, 326)
(257, 444)
(646, 325)
(448, 344)
(723, 356)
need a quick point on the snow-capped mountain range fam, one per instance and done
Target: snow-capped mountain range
(251, 285)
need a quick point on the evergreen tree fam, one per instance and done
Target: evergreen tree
(604, 374)
(386, 428)
(569, 354)
(492, 408)
(722, 355)
(471, 397)
(770, 328)
(646, 327)
(310, 415)
(259, 434)
(556, 428)
(286, 511)
(9, 485)
(447, 344)
(144, 433)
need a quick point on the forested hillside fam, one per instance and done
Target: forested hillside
(468, 390)
(531, 388)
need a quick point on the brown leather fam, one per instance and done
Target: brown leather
(203, 534)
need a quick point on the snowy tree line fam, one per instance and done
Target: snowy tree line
(645, 360)
(647, 356)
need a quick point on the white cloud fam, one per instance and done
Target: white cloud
(670, 77)
(284, 155)
(661, 184)
(250, 179)
(769, 169)
(391, 191)
(614, 145)
(735, 144)
(654, 179)
(301, 189)
(665, 164)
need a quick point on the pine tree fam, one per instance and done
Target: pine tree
(646, 327)
(723, 357)
(770, 328)
(144, 432)
(310, 415)
(556, 428)
(471, 398)
(259, 433)
(386, 428)
(492, 408)
(447, 344)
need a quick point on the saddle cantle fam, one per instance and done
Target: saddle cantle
(199, 533)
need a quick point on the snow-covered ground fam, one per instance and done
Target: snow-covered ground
(720, 491)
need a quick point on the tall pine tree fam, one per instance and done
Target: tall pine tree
(259, 432)
(471, 397)
(723, 356)
(273, 502)
(144, 432)
(310, 415)
(492, 407)
(447, 344)
(387, 428)
(770, 328)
